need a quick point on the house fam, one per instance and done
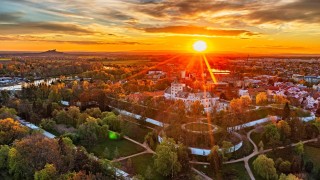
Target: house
(243, 92)
(177, 91)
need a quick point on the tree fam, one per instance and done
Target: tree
(215, 160)
(261, 98)
(286, 111)
(280, 99)
(285, 167)
(6, 112)
(88, 131)
(48, 124)
(32, 154)
(151, 139)
(11, 130)
(49, 172)
(264, 166)
(278, 162)
(299, 149)
(284, 128)
(288, 177)
(271, 134)
(4, 151)
(166, 158)
(94, 112)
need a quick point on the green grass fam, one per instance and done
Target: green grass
(237, 169)
(140, 165)
(198, 127)
(125, 148)
(135, 131)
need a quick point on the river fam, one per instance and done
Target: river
(18, 87)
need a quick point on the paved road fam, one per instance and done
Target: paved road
(254, 153)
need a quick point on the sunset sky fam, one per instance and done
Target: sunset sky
(245, 26)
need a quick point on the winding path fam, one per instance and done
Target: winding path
(254, 153)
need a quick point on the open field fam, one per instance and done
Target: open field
(140, 165)
(237, 170)
(125, 148)
(125, 62)
(5, 59)
(135, 131)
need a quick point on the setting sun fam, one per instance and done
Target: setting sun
(200, 46)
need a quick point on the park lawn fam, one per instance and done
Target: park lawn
(125, 148)
(238, 168)
(140, 165)
(136, 132)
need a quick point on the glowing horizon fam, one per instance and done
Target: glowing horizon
(160, 25)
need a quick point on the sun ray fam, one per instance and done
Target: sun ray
(207, 112)
(146, 70)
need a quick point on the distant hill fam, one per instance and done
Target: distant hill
(51, 53)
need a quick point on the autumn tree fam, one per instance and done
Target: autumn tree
(32, 154)
(284, 129)
(49, 172)
(6, 112)
(11, 130)
(261, 98)
(279, 99)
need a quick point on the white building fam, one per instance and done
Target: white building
(176, 92)
(243, 92)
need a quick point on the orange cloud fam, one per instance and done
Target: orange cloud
(199, 31)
